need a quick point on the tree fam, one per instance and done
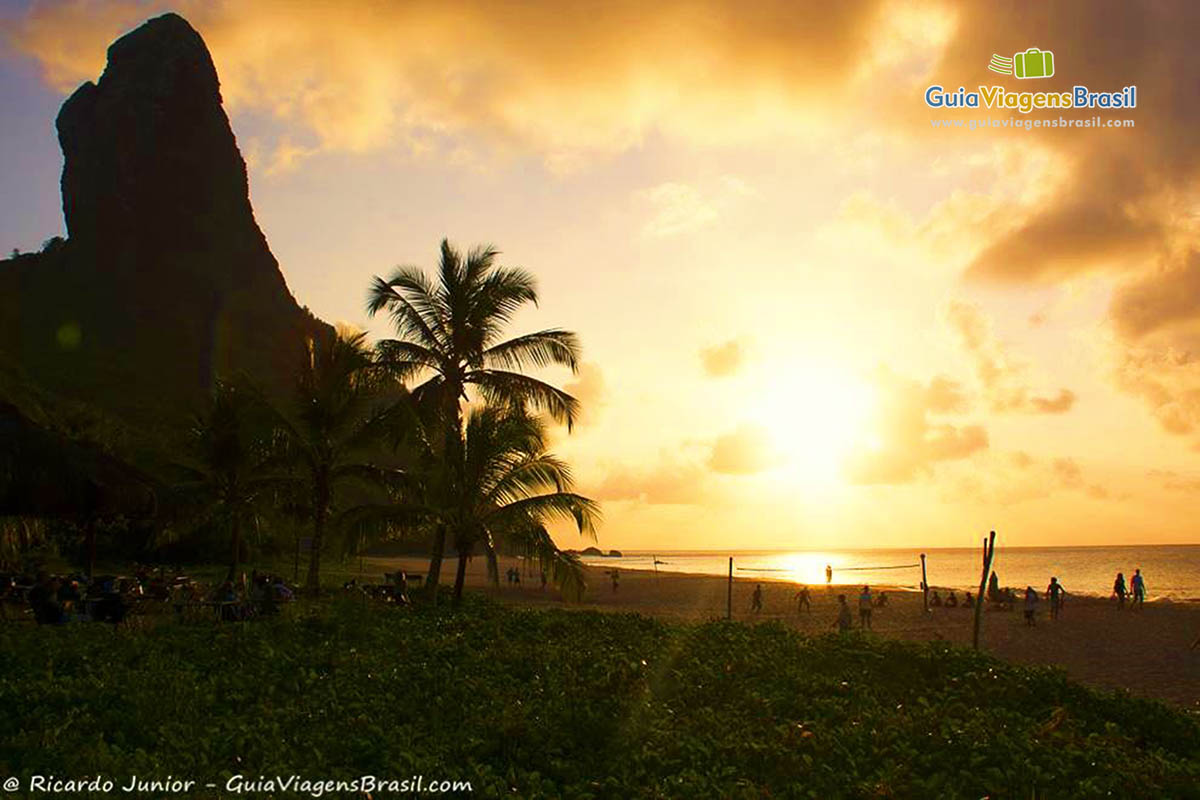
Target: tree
(503, 495)
(227, 476)
(449, 333)
(329, 429)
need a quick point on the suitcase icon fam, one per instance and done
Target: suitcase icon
(1033, 63)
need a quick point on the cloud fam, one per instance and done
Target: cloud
(590, 390)
(745, 451)
(554, 77)
(1001, 378)
(671, 482)
(723, 360)
(677, 208)
(1174, 482)
(909, 441)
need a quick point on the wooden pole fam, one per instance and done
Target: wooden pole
(924, 585)
(989, 553)
(729, 592)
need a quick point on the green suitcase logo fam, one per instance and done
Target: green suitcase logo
(1033, 63)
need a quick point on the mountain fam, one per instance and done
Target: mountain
(165, 281)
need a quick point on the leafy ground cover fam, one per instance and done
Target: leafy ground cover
(535, 703)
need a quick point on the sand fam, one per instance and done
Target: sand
(1147, 652)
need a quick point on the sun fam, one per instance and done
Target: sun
(814, 416)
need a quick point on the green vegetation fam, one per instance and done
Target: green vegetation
(573, 704)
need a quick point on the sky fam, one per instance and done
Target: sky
(811, 315)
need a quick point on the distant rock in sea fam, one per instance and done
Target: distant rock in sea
(613, 554)
(591, 551)
(165, 280)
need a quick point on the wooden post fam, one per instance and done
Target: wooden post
(924, 585)
(989, 552)
(729, 592)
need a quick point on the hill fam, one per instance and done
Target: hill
(165, 280)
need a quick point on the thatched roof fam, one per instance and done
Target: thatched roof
(45, 474)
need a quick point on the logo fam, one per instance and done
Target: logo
(1033, 63)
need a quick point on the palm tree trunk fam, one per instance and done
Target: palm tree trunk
(236, 536)
(460, 574)
(435, 563)
(321, 500)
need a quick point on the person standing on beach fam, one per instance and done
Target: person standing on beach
(756, 600)
(616, 576)
(1138, 584)
(828, 574)
(1031, 601)
(843, 622)
(804, 600)
(864, 607)
(1056, 593)
(1119, 590)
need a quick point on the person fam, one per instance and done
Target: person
(43, 601)
(1056, 593)
(936, 601)
(881, 600)
(616, 576)
(804, 600)
(952, 600)
(1119, 590)
(402, 588)
(178, 597)
(864, 607)
(1138, 584)
(993, 590)
(842, 623)
(756, 601)
(968, 600)
(68, 596)
(828, 574)
(1031, 601)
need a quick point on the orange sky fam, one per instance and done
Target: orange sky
(809, 317)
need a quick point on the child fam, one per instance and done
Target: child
(843, 622)
(1031, 601)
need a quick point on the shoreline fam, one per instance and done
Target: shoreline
(1146, 652)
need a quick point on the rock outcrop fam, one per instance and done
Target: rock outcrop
(165, 281)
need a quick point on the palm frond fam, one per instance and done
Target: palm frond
(551, 347)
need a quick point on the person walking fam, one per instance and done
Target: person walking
(1031, 601)
(803, 600)
(1056, 593)
(1119, 591)
(864, 608)
(1138, 584)
(756, 600)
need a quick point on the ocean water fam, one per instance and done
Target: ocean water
(1171, 571)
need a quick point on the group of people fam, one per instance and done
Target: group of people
(1136, 592)
(867, 603)
(951, 600)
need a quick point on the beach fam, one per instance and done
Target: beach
(1148, 652)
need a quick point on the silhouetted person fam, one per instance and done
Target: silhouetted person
(828, 574)
(1031, 601)
(1119, 590)
(936, 600)
(1056, 593)
(616, 577)
(1138, 584)
(756, 600)
(993, 590)
(864, 607)
(803, 600)
(952, 600)
(843, 622)
(968, 600)
(881, 600)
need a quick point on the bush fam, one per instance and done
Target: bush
(572, 704)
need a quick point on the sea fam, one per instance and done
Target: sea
(1171, 572)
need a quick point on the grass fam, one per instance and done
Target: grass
(572, 704)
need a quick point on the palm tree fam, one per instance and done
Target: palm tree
(450, 333)
(329, 429)
(227, 475)
(503, 495)
(512, 490)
